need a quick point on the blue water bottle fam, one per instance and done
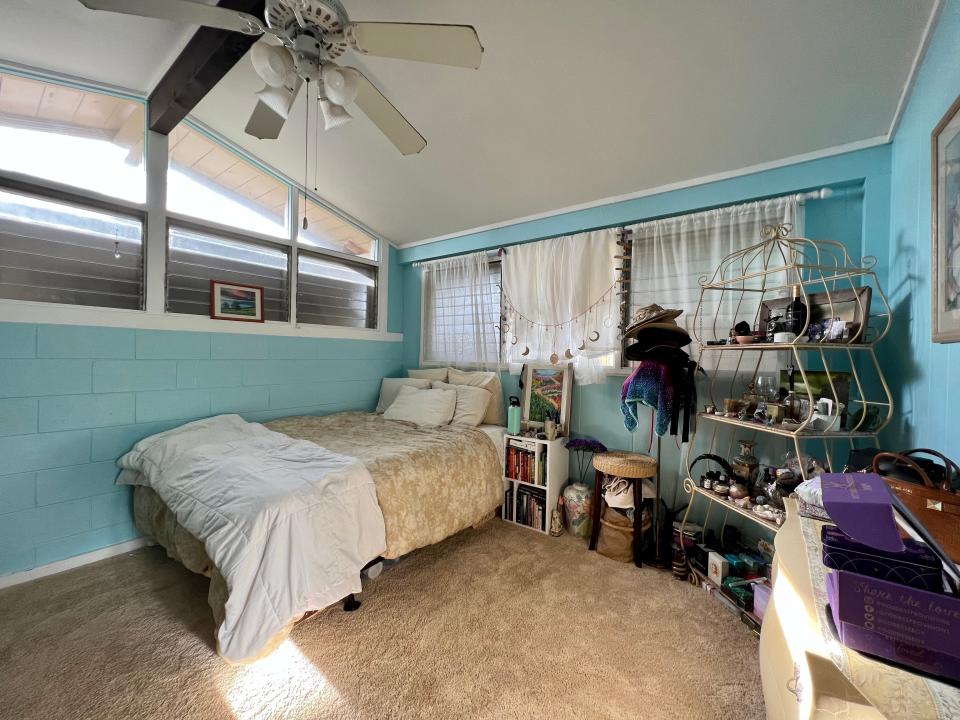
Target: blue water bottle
(513, 416)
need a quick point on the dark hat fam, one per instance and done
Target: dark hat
(650, 314)
(657, 334)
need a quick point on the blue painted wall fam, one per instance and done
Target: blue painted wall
(75, 398)
(857, 215)
(927, 391)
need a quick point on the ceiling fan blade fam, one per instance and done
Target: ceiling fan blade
(386, 117)
(183, 11)
(264, 122)
(456, 45)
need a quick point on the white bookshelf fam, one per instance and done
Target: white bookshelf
(556, 469)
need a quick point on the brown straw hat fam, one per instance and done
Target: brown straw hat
(650, 314)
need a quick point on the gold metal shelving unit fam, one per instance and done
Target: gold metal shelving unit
(752, 280)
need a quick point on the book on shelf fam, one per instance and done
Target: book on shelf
(508, 508)
(526, 461)
(531, 507)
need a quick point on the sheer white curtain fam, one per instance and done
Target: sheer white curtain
(560, 302)
(670, 257)
(461, 312)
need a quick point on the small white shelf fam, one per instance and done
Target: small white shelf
(557, 469)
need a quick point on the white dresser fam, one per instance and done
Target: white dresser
(806, 672)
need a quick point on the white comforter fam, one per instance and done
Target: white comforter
(288, 524)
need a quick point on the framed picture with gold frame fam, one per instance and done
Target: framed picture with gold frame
(945, 145)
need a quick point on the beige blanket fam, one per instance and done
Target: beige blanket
(431, 483)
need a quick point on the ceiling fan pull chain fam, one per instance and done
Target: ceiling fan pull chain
(316, 133)
(306, 155)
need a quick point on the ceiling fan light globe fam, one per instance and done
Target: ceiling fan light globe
(334, 115)
(271, 62)
(278, 99)
(340, 84)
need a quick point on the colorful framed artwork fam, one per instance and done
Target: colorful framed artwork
(547, 392)
(229, 301)
(945, 142)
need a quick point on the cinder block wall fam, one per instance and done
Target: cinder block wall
(75, 398)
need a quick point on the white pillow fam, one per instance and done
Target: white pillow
(389, 388)
(429, 374)
(426, 408)
(489, 381)
(472, 403)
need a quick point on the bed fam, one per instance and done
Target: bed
(430, 483)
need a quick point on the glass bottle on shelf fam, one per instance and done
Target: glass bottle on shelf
(796, 315)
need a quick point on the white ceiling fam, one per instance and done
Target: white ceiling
(575, 101)
(63, 36)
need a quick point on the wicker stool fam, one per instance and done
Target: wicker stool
(630, 466)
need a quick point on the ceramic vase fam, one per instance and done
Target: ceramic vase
(578, 501)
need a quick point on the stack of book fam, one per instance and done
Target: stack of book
(530, 508)
(525, 462)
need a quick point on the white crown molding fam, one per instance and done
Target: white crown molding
(915, 67)
(681, 185)
(55, 314)
(76, 561)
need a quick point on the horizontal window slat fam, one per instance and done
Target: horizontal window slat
(55, 252)
(70, 297)
(327, 296)
(64, 281)
(189, 271)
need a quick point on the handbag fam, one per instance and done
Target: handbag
(925, 487)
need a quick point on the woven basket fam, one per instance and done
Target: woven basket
(616, 535)
(618, 463)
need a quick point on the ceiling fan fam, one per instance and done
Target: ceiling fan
(313, 34)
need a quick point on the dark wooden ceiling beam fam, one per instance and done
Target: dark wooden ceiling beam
(202, 64)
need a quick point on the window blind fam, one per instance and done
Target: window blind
(331, 291)
(461, 314)
(195, 258)
(61, 253)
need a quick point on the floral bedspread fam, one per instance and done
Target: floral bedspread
(431, 482)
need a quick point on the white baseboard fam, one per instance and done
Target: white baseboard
(74, 562)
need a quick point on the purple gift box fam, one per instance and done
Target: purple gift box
(910, 626)
(761, 598)
(917, 566)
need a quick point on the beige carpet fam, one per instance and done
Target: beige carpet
(496, 623)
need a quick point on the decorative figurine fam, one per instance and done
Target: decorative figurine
(556, 522)
(745, 464)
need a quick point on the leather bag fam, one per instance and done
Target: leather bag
(932, 502)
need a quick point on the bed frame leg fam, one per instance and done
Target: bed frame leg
(350, 603)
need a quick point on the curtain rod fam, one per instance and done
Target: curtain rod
(802, 198)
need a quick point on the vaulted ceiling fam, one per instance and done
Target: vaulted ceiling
(574, 102)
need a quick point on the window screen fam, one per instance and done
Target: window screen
(328, 231)
(336, 292)
(195, 258)
(60, 253)
(86, 139)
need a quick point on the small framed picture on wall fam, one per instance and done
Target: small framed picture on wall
(945, 143)
(229, 301)
(547, 394)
